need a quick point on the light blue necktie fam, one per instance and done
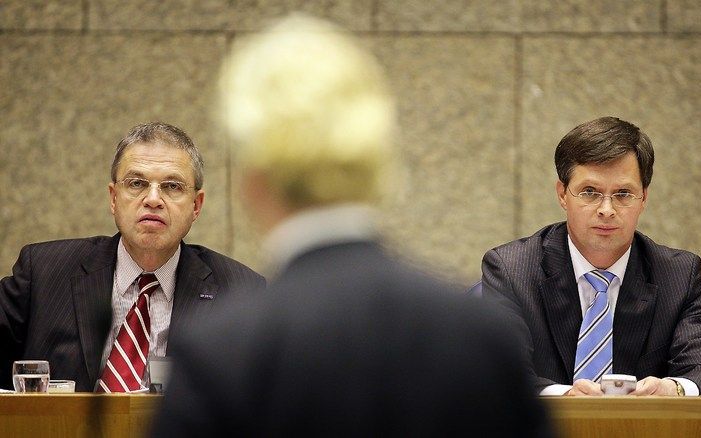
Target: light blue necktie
(594, 356)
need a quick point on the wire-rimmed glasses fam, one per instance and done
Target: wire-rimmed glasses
(619, 199)
(170, 190)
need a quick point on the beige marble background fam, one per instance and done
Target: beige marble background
(485, 90)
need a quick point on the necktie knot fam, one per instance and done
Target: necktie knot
(147, 283)
(600, 279)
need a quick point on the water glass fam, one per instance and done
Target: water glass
(30, 375)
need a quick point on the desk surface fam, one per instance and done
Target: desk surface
(119, 415)
(623, 417)
(76, 415)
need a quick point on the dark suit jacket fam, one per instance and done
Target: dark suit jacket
(349, 342)
(656, 325)
(57, 303)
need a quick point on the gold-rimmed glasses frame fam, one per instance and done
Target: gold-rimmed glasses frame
(620, 199)
(169, 189)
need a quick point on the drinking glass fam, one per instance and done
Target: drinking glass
(30, 375)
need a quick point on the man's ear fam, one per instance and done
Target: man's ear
(113, 196)
(561, 190)
(199, 202)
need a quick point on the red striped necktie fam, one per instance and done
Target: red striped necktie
(126, 363)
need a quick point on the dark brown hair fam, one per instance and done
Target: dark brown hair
(602, 140)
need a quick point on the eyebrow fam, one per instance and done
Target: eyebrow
(137, 174)
(133, 173)
(591, 182)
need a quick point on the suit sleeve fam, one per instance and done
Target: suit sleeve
(14, 311)
(685, 351)
(497, 287)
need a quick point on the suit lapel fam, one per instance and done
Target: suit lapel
(561, 297)
(92, 293)
(193, 293)
(635, 309)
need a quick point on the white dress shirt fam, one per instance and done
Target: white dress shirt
(314, 228)
(125, 291)
(586, 297)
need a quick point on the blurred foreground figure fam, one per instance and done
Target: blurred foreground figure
(346, 341)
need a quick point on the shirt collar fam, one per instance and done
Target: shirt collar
(316, 227)
(127, 271)
(581, 265)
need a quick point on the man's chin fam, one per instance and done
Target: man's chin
(152, 241)
(610, 245)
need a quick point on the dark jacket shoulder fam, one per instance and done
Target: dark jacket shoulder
(663, 264)
(68, 254)
(660, 253)
(538, 239)
(71, 247)
(219, 263)
(527, 252)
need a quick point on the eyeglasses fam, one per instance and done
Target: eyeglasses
(170, 190)
(620, 199)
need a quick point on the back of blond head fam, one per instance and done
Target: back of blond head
(310, 109)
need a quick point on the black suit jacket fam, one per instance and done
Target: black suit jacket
(657, 321)
(57, 303)
(349, 342)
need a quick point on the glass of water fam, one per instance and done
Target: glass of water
(30, 375)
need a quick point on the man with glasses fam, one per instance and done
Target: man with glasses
(62, 295)
(592, 296)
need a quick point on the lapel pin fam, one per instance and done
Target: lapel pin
(206, 296)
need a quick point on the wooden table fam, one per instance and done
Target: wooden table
(119, 415)
(76, 415)
(623, 417)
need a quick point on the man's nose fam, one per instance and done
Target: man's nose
(153, 196)
(606, 207)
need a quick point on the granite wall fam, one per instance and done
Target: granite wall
(485, 89)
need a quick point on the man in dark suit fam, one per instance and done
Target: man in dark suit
(62, 295)
(551, 282)
(346, 340)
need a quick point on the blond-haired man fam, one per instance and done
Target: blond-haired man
(347, 341)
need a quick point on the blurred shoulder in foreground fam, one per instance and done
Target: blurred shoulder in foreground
(346, 340)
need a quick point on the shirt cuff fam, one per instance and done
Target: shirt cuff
(690, 388)
(562, 389)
